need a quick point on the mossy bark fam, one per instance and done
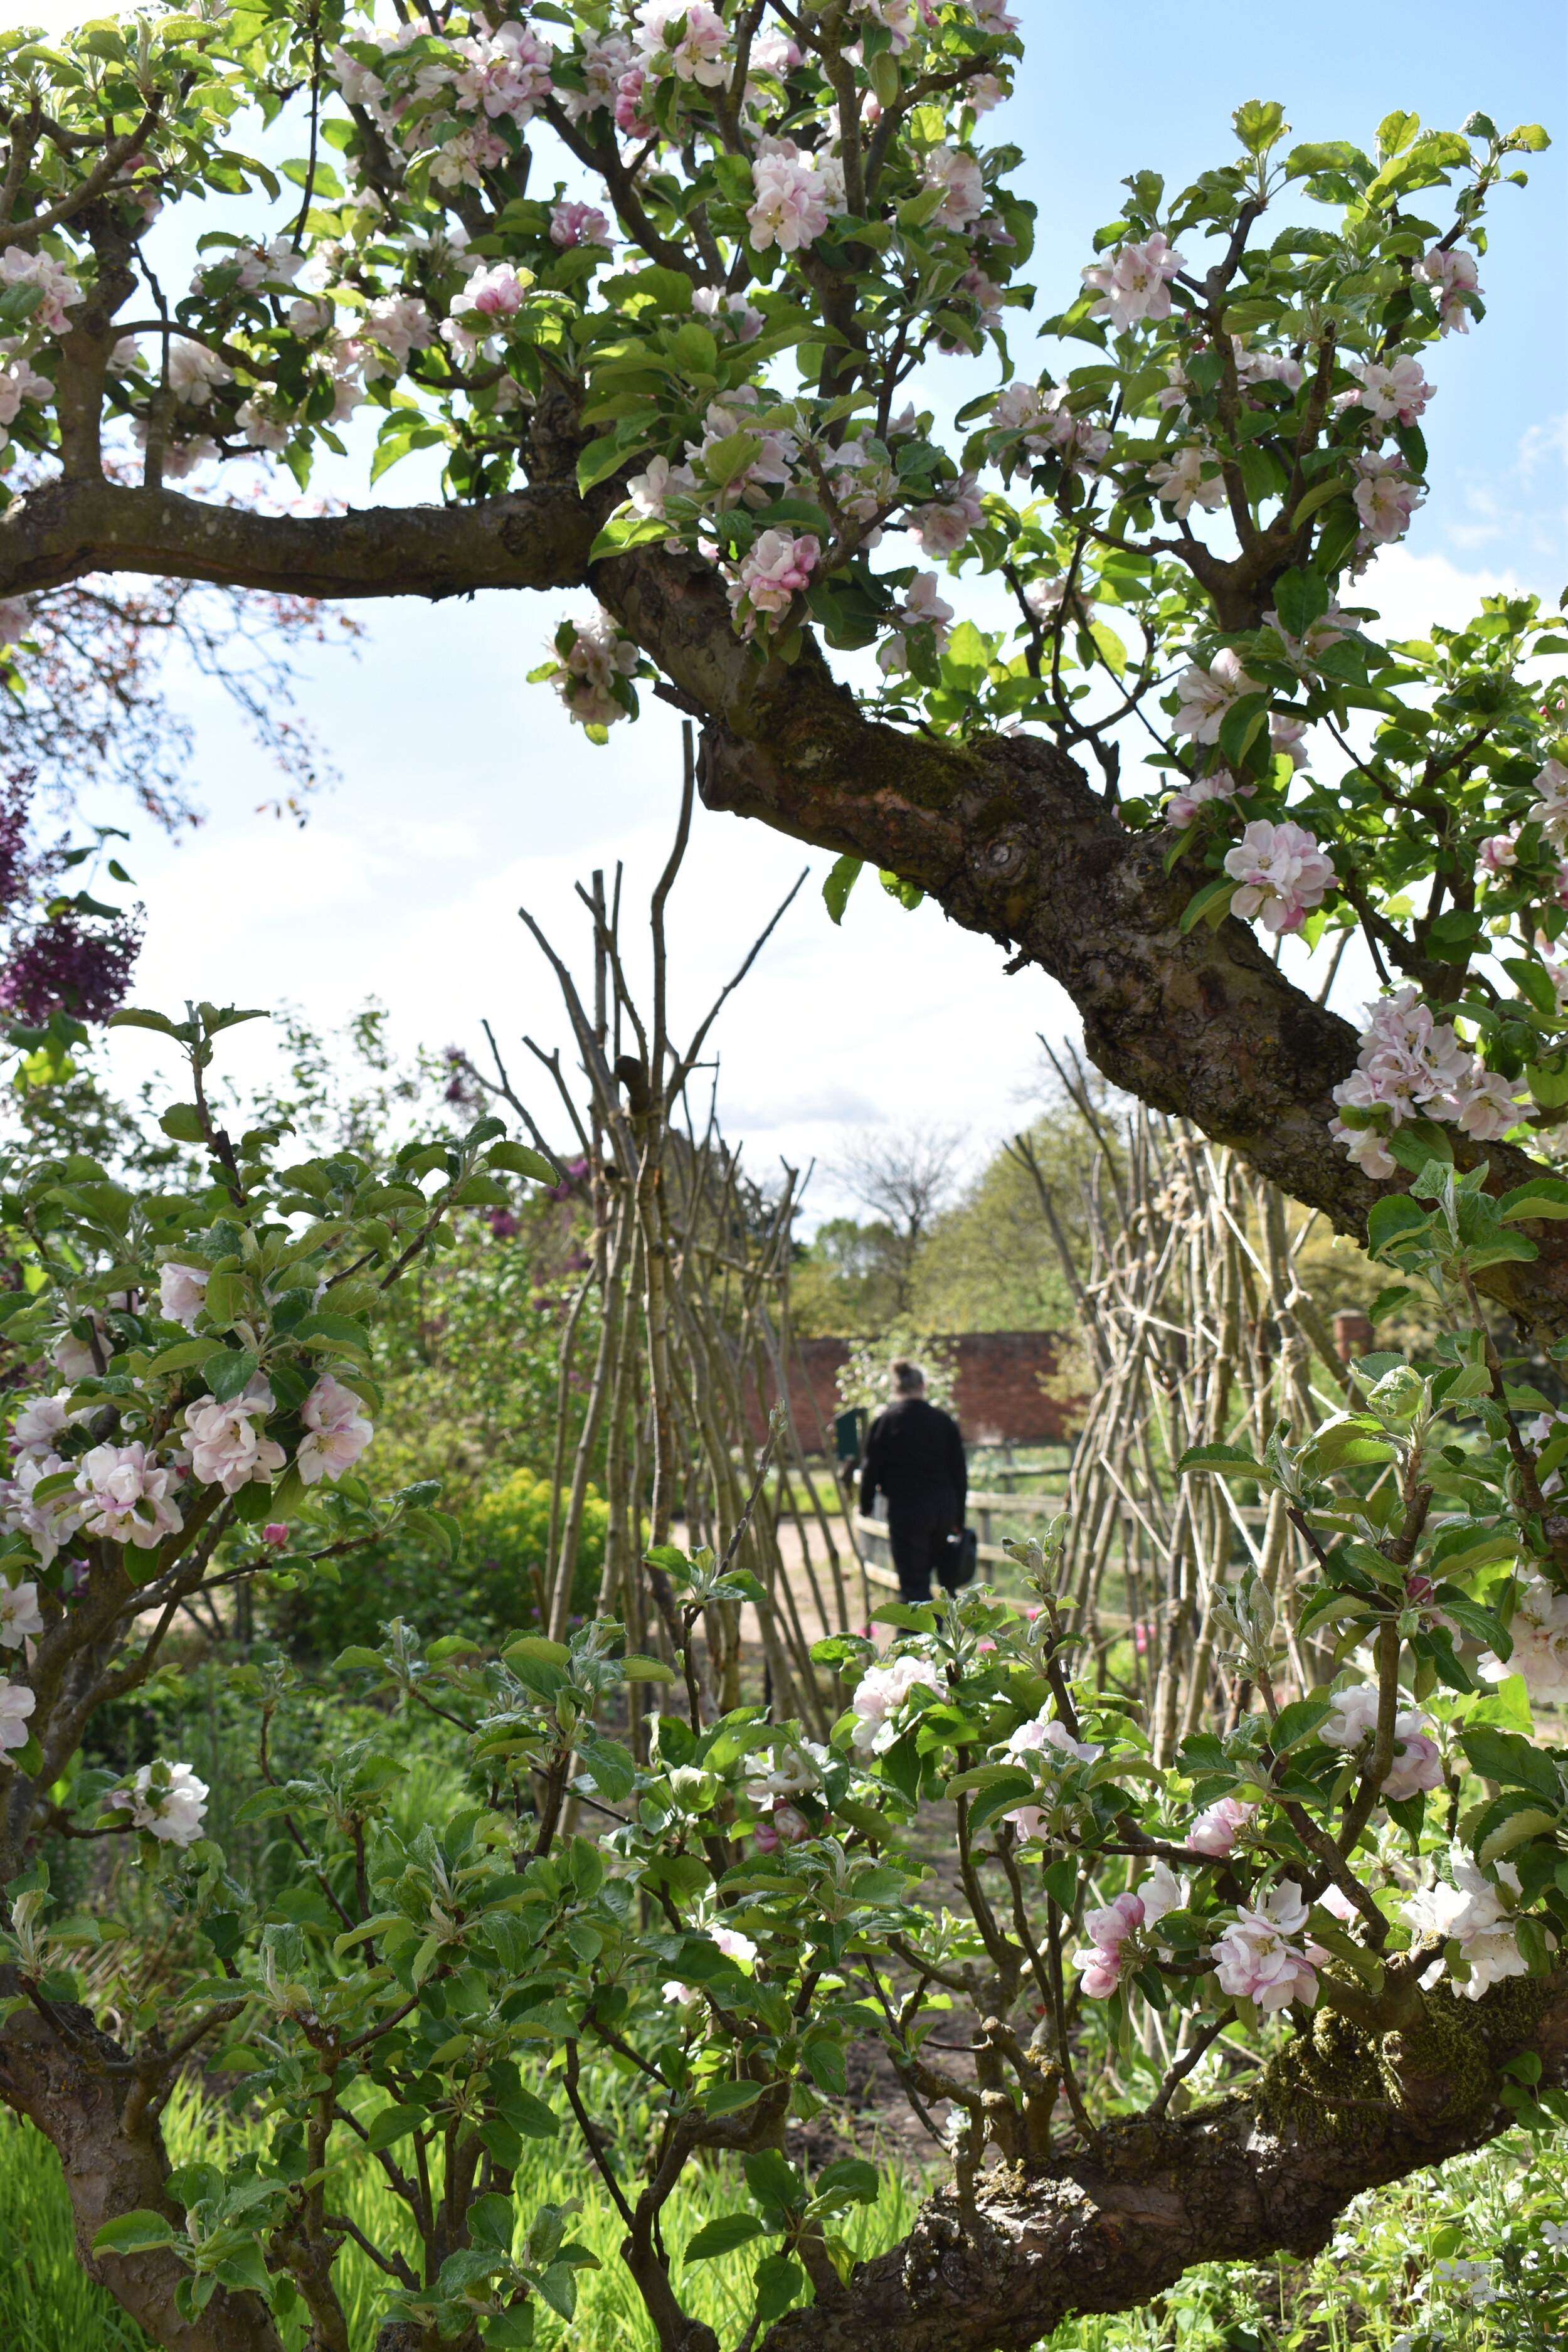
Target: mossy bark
(1241, 2179)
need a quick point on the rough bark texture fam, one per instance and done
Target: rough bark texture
(114, 2162)
(1004, 832)
(1235, 2181)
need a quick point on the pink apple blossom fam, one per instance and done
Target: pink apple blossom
(48, 1525)
(734, 1946)
(945, 526)
(584, 678)
(1255, 1958)
(57, 288)
(602, 62)
(685, 38)
(1107, 1931)
(1386, 499)
(1216, 1830)
(1353, 1727)
(790, 208)
(338, 1432)
(495, 293)
(631, 119)
(1539, 1628)
(21, 1619)
(1551, 811)
(16, 1704)
(1135, 283)
(1199, 791)
(877, 1696)
(1394, 389)
(507, 74)
(1205, 695)
(773, 571)
(16, 621)
(1499, 852)
(229, 1448)
(275, 1535)
(129, 1495)
(958, 176)
(1283, 874)
(578, 225)
(1285, 739)
(1452, 276)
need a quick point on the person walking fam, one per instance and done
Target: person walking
(914, 1455)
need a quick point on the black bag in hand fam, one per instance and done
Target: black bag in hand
(961, 1558)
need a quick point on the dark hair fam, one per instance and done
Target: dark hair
(907, 1376)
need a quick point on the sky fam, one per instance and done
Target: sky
(465, 793)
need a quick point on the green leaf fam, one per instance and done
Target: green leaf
(134, 2233)
(181, 1123)
(1504, 1757)
(393, 2124)
(181, 1357)
(635, 1669)
(841, 879)
(228, 1373)
(1297, 1722)
(1539, 1196)
(611, 1767)
(1211, 904)
(723, 2235)
(1395, 131)
(779, 2281)
(1223, 1461)
(519, 1161)
(1318, 497)
(1002, 1797)
(730, 2098)
(1390, 1301)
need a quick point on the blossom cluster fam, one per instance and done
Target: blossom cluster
(1412, 1066)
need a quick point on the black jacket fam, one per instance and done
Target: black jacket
(914, 1455)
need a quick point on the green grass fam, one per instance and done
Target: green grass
(47, 2304)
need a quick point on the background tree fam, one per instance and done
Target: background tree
(905, 1177)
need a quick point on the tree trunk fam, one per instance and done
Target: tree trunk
(1237, 2181)
(111, 2153)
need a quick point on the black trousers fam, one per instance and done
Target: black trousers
(917, 1539)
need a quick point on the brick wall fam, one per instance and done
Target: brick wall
(998, 1397)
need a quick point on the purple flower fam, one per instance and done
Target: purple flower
(64, 966)
(504, 1225)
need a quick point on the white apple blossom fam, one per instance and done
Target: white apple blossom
(182, 1292)
(1199, 791)
(195, 373)
(16, 621)
(877, 1696)
(1539, 1630)
(19, 381)
(685, 38)
(338, 1432)
(1549, 786)
(44, 1418)
(21, 1619)
(1472, 1914)
(1204, 696)
(167, 1800)
(16, 1704)
(260, 430)
(1181, 482)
